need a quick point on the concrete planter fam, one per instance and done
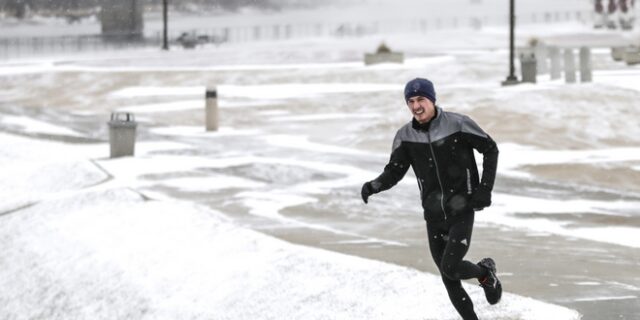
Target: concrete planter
(383, 57)
(617, 53)
(632, 55)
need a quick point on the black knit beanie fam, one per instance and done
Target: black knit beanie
(419, 87)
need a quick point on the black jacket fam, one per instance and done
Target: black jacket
(441, 155)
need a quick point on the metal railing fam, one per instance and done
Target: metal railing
(43, 46)
(20, 47)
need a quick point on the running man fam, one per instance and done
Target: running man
(439, 145)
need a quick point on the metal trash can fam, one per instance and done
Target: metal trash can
(528, 66)
(122, 134)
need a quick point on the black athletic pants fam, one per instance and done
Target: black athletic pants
(448, 243)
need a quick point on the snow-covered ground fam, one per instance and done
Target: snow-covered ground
(86, 245)
(193, 225)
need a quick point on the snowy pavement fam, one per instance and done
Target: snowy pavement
(197, 219)
(91, 247)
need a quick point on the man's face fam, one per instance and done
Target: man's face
(421, 108)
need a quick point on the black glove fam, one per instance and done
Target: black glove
(480, 199)
(367, 190)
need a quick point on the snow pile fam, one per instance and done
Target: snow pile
(33, 170)
(31, 125)
(110, 254)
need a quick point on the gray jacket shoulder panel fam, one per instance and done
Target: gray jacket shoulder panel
(409, 134)
(444, 125)
(470, 126)
(450, 122)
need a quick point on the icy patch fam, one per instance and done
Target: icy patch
(127, 170)
(282, 175)
(514, 156)
(165, 106)
(324, 116)
(553, 206)
(190, 93)
(201, 131)
(274, 113)
(136, 92)
(506, 207)
(270, 204)
(288, 66)
(30, 125)
(260, 92)
(148, 147)
(297, 90)
(603, 298)
(624, 236)
(210, 183)
(303, 143)
(224, 103)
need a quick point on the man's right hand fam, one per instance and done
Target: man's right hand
(367, 190)
(481, 199)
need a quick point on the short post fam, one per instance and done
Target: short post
(211, 109)
(556, 66)
(569, 66)
(542, 55)
(122, 134)
(586, 74)
(165, 28)
(528, 67)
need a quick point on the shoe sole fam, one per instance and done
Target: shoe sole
(491, 265)
(499, 294)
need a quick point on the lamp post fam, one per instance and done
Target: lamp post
(165, 20)
(511, 78)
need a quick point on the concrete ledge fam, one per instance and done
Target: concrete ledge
(383, 57)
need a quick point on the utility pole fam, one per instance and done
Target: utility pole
(165, 19)
(511, 78)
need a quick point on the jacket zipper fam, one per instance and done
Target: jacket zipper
(433, 154)
(469, 189)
